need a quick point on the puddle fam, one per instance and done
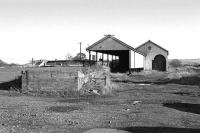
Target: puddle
(64, 109)
(185, 107)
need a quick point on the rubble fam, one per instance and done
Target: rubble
(95, 81)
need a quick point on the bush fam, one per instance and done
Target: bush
(175, 63)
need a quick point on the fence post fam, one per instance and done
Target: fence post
(24, 80)
(26, 75)
(80, 80)
(105, 80)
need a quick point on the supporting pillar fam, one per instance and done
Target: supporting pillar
(102, 58)
(134, 59)
(129, 62)
(89, 58)
(107, 60)
(96, 56)
(112, 58)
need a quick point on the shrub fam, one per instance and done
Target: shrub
(175, 63)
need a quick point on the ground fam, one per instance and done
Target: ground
(133, 106)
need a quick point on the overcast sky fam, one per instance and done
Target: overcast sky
(49, 29)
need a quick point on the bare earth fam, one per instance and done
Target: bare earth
(137, 108)
(133, 108)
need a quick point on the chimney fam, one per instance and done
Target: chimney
(109, 35)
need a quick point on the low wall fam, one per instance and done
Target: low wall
(49, 79)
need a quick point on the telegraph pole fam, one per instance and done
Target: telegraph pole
(80, 50)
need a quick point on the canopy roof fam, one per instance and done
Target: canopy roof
(110, 45)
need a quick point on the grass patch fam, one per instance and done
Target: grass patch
(64, 109)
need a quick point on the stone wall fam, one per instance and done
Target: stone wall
(40, 79)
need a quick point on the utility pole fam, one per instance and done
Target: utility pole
(80, 50)
(32, 61)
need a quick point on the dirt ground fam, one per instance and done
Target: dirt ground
(132, 107)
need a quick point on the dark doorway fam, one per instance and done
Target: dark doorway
(159, 63)
(121, 64)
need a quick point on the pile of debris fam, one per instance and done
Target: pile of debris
(95, 81)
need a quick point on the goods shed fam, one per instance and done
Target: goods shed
(119, 52)
(121, 57)
(155, 56)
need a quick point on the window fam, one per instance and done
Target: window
(149, 47)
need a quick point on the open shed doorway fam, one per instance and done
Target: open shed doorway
(109, 45)
(159, 63)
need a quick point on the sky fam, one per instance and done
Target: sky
(52, 29)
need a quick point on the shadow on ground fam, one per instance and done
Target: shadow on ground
(15, 84)
(160, 130)
(186, 107)
(192, 80)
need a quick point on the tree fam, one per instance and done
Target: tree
(175, 63)
(80, 56)
(68, 56)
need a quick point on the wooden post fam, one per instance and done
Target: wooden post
(102, 58)
(115, 59)
(89, 57)
(96, 56)
(134, 59)
(112, 58)
(107, 60)
(80, 50)
(105, 80)
(129, 62)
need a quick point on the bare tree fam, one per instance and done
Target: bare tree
(79, 56)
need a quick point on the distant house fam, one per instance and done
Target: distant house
(122, 56)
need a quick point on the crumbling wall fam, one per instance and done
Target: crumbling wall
(97, 82)
(49, 80)
(67, 81)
